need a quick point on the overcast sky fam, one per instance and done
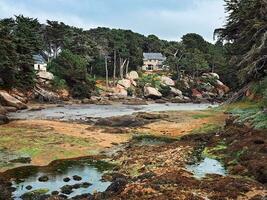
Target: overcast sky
(168, 19)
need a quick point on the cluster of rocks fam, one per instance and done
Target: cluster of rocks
(206, 88)
(11, 103)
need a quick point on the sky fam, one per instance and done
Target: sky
(168, 19)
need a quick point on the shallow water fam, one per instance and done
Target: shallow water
(81, 112)
(207, 166)
(90, 174)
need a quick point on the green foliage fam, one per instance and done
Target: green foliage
(130, 91)
(72, 68)
(20, 40)
(245, 30)
(252, 114)
(165, 90)
(59, 83)
(152, 80)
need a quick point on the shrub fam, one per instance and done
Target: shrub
(165, 91)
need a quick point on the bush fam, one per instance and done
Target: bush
(130, 91)
(165, 91)
(59, 83)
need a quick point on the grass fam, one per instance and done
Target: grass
(214, 152)
(43, 146)
(201, 116)
(207, 128)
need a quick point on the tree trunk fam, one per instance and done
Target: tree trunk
(127, 67)
(106, 65)
(122, 64)
(114, 69)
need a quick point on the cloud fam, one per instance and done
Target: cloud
(168, 19)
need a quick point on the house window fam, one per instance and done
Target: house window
(39, 67)
(150, 67)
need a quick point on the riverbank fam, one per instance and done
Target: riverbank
(150, 154)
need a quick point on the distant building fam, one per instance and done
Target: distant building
(153, 62)
(40, 63)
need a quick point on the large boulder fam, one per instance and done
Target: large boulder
(120, 91)
(220, 85)
(167, 81)
(45, 75)
(126, 83)
(151, 92)
(176, 92)
(133, 75)
(211, 76)
(8, 100)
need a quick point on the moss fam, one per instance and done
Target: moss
(214, 152)
(153, 138)
(201, 116)
(207, 128)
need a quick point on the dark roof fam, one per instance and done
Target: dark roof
(38, 59)
(154, 56)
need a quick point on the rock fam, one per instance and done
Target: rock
(178, 99)
(8, 100)
(125, 83)
(3, 119)
(221, 86)
(23, 160)
(120, 121)
(43, 179)
(207, 86)
(167, 81)
(67, 179)
(151, 92)
(3, 111)
(45, 75)
(66, 189)
(210, 76)
(176, 92)
(55, 193)
(29, 187)
(117, 186)
(133, 75)
(196, 94)
(160, 101)
(10, 109)
(77, 178)
(86, 185)
(187, 99)
(214, 75)
(120, 91)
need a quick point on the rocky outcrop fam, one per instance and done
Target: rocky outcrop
(167, 81)
(46, 76)
(176, 92)
(151, 92)
(126, 83)
(133, 75)
(8, 100)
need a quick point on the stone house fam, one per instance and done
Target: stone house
(153, 62)
(40, 63)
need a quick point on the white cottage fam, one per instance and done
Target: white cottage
(153, 62)
(40, 63)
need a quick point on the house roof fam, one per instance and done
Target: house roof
(154, 56)
(38, 59)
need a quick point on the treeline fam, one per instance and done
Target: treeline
(76, 55)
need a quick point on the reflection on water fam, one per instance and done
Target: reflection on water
(207, 166)
(80, 112)
(89, 171)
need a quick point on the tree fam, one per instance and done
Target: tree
(73, 68)
(246, 33)
(8, 54)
